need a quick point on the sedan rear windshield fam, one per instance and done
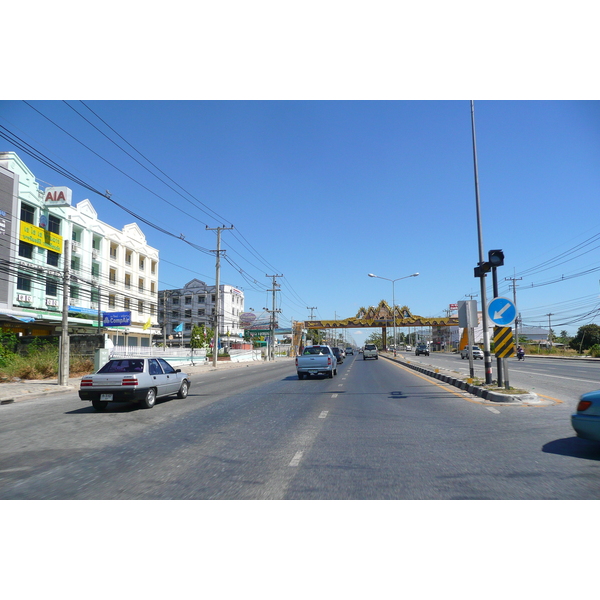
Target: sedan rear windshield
(123, 366)
(316, 350)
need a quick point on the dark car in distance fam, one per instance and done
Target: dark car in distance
(338, 354)
(422, 349)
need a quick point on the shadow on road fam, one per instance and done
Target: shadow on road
(574, 446)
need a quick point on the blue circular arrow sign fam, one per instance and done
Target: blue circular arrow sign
(502, 311)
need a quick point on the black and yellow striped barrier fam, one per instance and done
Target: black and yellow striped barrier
(504, 345)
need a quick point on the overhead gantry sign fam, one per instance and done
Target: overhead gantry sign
(382, 316)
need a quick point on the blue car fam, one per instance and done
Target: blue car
(586, 421)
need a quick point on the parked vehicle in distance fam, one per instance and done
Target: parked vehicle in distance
(422, 349)
(586, 421)
(477, 352)
(350, 350)
(316, 360)
(134, 379)
(408, 347)
(370, 351)
(338, 354)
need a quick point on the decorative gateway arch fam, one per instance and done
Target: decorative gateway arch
(383, 317)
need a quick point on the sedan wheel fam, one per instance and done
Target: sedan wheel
(183, 390)
(150, 400)
(99, 405)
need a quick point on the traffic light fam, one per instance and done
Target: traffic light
(495, 258)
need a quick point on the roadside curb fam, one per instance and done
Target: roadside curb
(476, 390)
(30, 394)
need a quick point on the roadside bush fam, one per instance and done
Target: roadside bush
(594, 351)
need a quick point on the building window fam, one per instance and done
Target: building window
(95, 270)
(54, 224)
(188, 326)
(140, 307)
(152, 287)
(52, 258)
(201, 312)
(141, 285)
(75, 264)
(74, 292)
(127, 280)
(153, 309)
(141, 263)
(76, 235)
(175, 300)
(175, 314)
(111, 301)
(27, 213)
(128, 255)
(96, 243)
(25, 250)
(213, 298)
(23, 283)
(188, 313)
(127, 304)
(51, 287)
(95, 296)
(112, 277)
(113, 251)
(201, 299)
(188, 299)
(153, 267)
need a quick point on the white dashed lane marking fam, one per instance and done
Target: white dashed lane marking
(296, 460)
(323, 414)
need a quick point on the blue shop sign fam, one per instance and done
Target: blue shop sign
(116, 319)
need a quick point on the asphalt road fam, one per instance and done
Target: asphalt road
(375, 431)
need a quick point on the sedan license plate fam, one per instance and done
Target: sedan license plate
(106, 396)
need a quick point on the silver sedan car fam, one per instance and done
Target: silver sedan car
(141, 380)
(586, 421)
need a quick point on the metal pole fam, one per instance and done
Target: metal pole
(394, 312)
(486, 336)
(499, 361)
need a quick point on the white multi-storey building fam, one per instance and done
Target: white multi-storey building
(110, 270)
(194, 304)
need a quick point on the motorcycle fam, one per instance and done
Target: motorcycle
(520, 354)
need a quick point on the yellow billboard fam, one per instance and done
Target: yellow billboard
(40, 237)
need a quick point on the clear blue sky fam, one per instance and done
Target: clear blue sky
(325, 192)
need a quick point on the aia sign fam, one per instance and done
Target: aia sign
(58, 196)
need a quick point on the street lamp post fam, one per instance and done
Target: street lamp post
(393, 298)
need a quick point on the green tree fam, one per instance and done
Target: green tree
(587, 336)
(375, 338)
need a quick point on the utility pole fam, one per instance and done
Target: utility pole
(63, 363)
(165, 320)
(273, 312)
(311, 308)
(549, 328)
(217, 290)
(517, 318)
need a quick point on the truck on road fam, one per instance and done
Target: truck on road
(316, 360)
(370, 351)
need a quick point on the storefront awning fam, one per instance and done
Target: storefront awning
(16, 317)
